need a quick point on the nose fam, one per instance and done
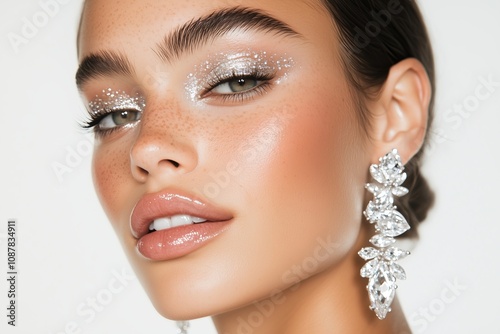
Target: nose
(163, 146)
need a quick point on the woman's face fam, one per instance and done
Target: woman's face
(246, 123)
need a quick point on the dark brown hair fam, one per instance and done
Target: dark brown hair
(374, 36)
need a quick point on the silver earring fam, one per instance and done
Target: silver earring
(382, 269)
(183, 327)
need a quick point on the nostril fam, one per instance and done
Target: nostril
(142, 173)
(139, 173)
(175, 163)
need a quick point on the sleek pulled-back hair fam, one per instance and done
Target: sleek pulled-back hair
(375, 35)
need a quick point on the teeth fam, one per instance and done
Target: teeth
(198, 220)
(179, 220)
(162, 224)
(174, 221)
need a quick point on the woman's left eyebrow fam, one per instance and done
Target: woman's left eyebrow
(196, 33)
(186, 39)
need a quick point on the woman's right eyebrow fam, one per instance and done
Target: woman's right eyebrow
(186, 39)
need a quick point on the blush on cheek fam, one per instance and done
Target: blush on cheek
(319, 155)
(111, 173)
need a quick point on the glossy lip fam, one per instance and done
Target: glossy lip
(176, 241)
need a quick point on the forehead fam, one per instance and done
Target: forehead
(131, 25)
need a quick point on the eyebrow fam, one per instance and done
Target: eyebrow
(102, 63)
(186, 39)
(196, 33)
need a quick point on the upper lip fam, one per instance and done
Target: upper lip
(167, 203)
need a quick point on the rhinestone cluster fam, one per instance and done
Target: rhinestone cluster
(183, 327)
(381, 268)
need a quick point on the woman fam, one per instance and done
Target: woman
(232, 149)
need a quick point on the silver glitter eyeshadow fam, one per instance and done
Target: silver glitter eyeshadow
(224, 65)
(111, 100)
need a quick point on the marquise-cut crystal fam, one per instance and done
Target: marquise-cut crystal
(381, 289)
(384, 197)
(395, 254)
(379, 240)
(372, 187)
(368, 253)
(369, 269)
(393, 225)
(377, 174)
(398, 271)
(372, 212)
(399, 191)
(400, 179)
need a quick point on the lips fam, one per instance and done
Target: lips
(169, 211)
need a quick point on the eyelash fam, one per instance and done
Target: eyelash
(92, 123)
(93, 120)
(260, 89)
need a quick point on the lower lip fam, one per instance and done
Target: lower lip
(179, 241)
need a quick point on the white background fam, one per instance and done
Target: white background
(68, 253)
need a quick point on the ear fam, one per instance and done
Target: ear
(401, 111)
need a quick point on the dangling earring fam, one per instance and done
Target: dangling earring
(382, 269)
(183, 327)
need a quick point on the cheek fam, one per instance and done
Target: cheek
(318, 157)
(110, 169)
(312, 184)
(298, 196)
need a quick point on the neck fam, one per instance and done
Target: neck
(333, 301)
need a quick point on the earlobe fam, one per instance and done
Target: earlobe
(401, 110)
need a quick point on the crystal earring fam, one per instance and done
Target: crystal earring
(382, 269)
(183, 327)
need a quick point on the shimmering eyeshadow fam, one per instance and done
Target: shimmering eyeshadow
(111, 100)
(228, 65)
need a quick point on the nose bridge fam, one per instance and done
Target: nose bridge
(163, 142)
(165, 118)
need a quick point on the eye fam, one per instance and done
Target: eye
(118, 118)
(236, 78)
(237, 88)
(237, 85)
(112, 110)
